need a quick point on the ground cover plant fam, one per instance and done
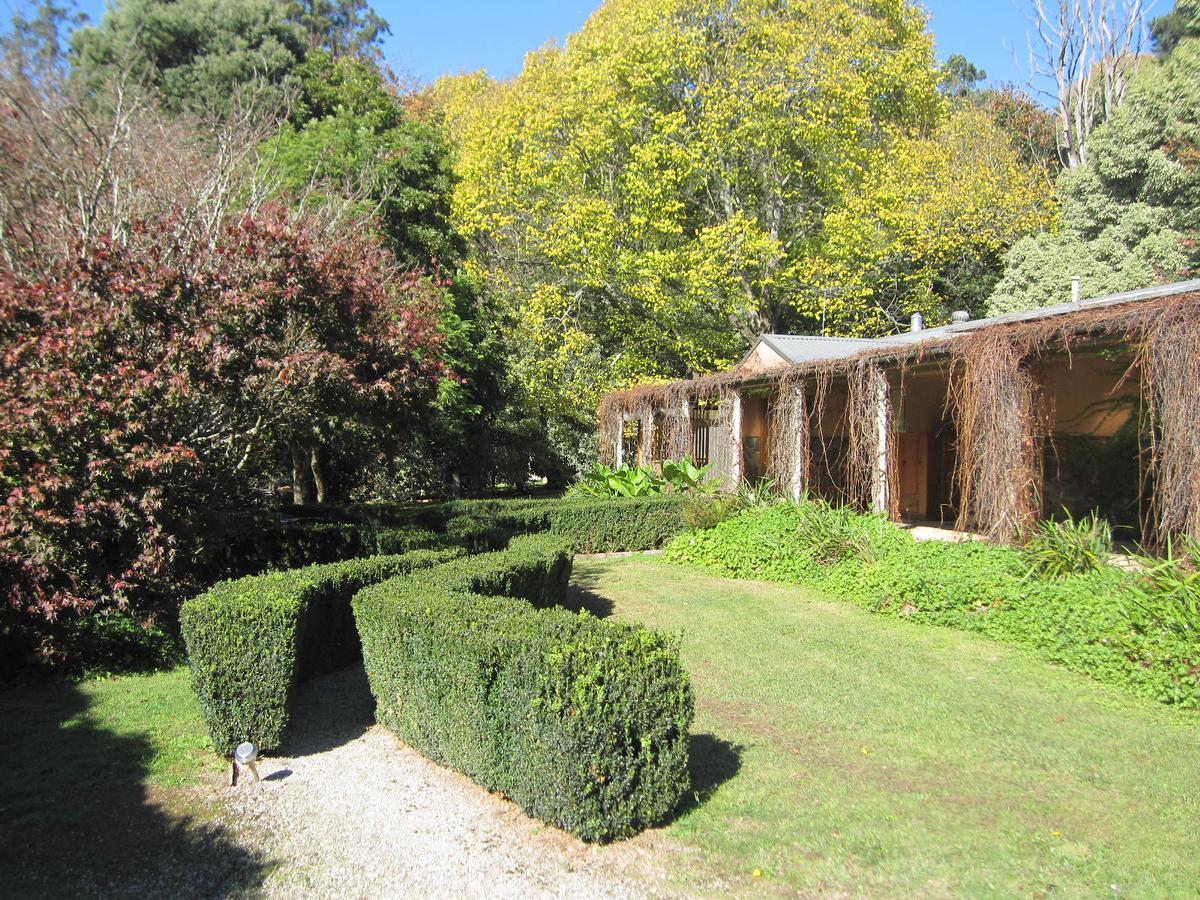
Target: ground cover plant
(1057, 597)
(837, 752)
(582, 723)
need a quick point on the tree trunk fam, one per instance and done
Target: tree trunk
(317, 476)
(302, 486)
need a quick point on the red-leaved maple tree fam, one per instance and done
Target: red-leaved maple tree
(148, 389)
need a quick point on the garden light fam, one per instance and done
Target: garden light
(244, 757)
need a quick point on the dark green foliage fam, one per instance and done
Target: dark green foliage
(1115, 626)
(613, 526)
(583, 723)
(595, 526)
(1183, 21)
(477, 533)
(1166, 589)
(1101, 474)
(349, 133)
(89, 645)
(250, 641)
(196, 53)
(290, 545)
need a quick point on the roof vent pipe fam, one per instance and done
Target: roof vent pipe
(1075, 299)
(918, 322)
(959, 316)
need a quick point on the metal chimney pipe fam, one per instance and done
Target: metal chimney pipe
(917, 322)
(1075, 298)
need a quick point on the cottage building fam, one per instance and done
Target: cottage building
(984, 424)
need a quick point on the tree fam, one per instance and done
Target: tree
(81, 166)
(197, 54)
(960, 76)
(1089, 49)
(149, 389)
(1181, 22)
(926, 232)
(646, 200)
(1031, 129)
(342, 27)
(1129, 217)
(350, 141)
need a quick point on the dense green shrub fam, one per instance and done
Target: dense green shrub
(257, 547)
(477, 533)
(535, 568)
(584, 723)
(251, 640)
(1126, 629)
(609, 526)
(708, 512)
(786, 542)
(1167, 589)
(597, 525)
(625, 480)
(833, 534)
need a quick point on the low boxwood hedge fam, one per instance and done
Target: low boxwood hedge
(594, 526)
(251, 640)
(256, 547)
(535, 568)
(582, 722)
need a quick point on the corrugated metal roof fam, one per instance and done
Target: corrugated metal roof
(805, 348)
(798, 348)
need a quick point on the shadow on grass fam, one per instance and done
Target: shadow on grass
(580, 598)
(712, 761)
(76, 818)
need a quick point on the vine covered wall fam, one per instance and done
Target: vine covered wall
(995, 399)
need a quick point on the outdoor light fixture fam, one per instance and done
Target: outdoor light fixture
(244, 757)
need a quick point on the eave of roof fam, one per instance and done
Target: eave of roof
(844, 348)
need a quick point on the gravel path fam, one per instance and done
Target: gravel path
(352, 812)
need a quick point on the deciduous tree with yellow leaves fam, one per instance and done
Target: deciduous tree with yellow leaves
(683, 175)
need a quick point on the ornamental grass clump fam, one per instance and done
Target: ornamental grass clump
(1166, 589)
(1058, 548)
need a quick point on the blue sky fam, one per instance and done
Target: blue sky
(431, 39)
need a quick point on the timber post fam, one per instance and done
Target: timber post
(800, 426)
(735, 438)
(880, 499)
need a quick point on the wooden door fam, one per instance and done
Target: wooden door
(914, 474)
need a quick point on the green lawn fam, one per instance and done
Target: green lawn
(105, 790)
(834, 752)
(839, 751)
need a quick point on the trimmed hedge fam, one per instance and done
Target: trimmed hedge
(582, 722)
(534, 568)
(594, 526)
(1082, 621)
(353, 532)
(251, 640)
(257, 547)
